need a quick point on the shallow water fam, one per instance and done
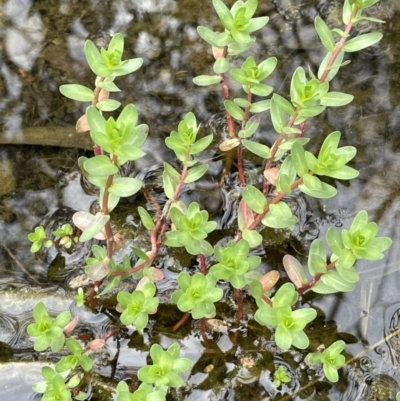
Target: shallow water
(41, 48)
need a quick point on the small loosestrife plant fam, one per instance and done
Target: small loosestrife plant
(331, 263)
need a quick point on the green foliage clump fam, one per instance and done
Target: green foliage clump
(331, 359)
(48, 331)
(191, 229)
(166, 368)
(138, 305)
(78, 357)
(289, 324)
(280, 376)
(234, 263)
(197, 294)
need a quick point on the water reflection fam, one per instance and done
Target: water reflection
(41, 48)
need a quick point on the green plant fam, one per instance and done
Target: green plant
(289, 324)
(78, 357)
(197, 294)
(48, 331)
(234, 263)
(331, 359)
(137, 306)
(191, 229)
(280, 376)
(286, 167)
(145, 392)
(54, 386)
(166, 368)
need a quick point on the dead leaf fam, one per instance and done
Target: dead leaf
(229, 144)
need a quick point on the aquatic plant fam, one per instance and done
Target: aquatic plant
(119, 141)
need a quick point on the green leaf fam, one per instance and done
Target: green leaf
(77, 92)
(172, 173)
(223, 13)
(195, 173)
(336, 99)
(278, 114)
(97, 224)
(279, 216)
(316, 265)
(336, 282)
(333, 70)
(255, 199)
(146, 219)
(261, 89)
(253, 237)
(206, 80)
(362, 41)
(100, 165)
(108, 105)
(95, 60)
(257, 148)
(169, 185)
(288, 143)
(125, 186)
(314, 187)
(334, 240)
(317, 258)
(298, 159)
(108, 86)
(201, 144)
(234, 110)
(127, 67)
(96, 121)
(324, 34)
(250, 128)
(221, 65)
(259, 107)
(116, 44)
(242, 102)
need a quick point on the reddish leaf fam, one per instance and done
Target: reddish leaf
(96, 344)
(103, 95)
(295, 271)
(271, 174)
(70, 327)
(269, 280)
(245, 215)
(82, 124)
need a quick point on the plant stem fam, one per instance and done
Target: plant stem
(274, 149)
(104, 209)
(239, 300)
(183, 319)
(315, 279)
(203, 264)
(161, 225)
(338, 48)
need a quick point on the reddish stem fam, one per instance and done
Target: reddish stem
(183, 319)
(314, 280)
(203, 264)
(239, 300)
(338, 48)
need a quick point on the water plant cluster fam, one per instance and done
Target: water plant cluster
(287, 167)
